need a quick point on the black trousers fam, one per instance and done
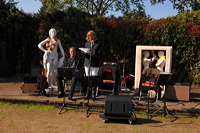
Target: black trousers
(72, 88)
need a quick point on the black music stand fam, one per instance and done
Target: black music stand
(67, 74)
(89, 82)
(165, 79)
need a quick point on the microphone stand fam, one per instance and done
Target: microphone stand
(67, 75)
(117, 58)
(64, 103)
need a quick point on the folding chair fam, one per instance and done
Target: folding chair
(148, 82)
(108, 82)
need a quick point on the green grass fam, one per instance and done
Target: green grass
(42, 108)
(45, 108)
(8, 105)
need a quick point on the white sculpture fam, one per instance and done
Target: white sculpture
(146, 60)
(161, 61)
(50, 57)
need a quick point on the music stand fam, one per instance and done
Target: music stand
(89, 82)
(67, 74)
(165, 79)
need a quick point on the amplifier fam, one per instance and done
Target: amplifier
(179, 91)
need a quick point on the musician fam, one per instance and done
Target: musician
(71, 62)
(94, 54)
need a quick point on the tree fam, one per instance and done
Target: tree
(181, 5)
(8, 5)
(95, 7)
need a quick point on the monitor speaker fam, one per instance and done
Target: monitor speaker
(118, 105)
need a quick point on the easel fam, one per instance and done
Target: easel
(89, 82)
(165, 79)
(67, 74)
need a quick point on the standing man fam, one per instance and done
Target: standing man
(92, 59)
(71, 62)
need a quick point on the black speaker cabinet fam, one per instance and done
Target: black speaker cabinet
(118, 105)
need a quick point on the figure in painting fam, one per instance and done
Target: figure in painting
(146, 60)
(161, 61)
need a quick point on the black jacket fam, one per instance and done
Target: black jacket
(96, 57)
(72, 63)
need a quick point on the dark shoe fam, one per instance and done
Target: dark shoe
(70, 97)
(44, 93)
(61, 95)
(93, 98)
(87, 97)
(93, 95)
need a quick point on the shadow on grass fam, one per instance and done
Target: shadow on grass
(139, 121)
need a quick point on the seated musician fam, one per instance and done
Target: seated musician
(71, 62)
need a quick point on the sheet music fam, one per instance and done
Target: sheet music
(85, 50)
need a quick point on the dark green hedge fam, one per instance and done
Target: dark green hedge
(22, 33)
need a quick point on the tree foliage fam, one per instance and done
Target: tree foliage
(181, 5)
(18, 30)
(95, 7)
(189, 17)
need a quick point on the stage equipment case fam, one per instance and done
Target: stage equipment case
(29, 87)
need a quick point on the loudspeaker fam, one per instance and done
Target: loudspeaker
(118, 105)
(178, 92)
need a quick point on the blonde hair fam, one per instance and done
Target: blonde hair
(89, 33)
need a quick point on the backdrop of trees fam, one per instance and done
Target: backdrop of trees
(22, 32)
